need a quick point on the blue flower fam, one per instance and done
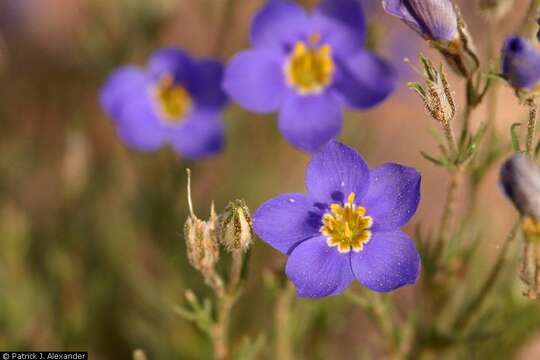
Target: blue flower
(176, 100)
(521, 63)
(307, 67)
(433, 19)
(347, 226)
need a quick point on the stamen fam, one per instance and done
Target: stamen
(310, 67)
(173, 100)
(346, 226)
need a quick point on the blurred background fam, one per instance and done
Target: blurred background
(92, 256)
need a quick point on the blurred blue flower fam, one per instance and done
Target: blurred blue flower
(307, 67)
(521, 63)
(176, 100)
(433, 19)
(347, 226)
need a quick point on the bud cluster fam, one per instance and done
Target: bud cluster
(233, 229)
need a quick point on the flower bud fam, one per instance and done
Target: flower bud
(520, 179)
(433, 19)
(201, 243)
(436, 94)
(200, 236)
(235, 228)
(521, 63)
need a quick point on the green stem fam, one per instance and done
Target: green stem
(450, 137)
(220, 329)
(529, 25)
(469, 88)
(493, 91)
(465, 316)
(282, 323)
(531, 128)
(226, 301)
(449, 209)
(380, 314)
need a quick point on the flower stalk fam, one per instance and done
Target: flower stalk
(445, 228)
(232, 229)
(282, 323)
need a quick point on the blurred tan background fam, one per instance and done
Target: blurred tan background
(91, 251)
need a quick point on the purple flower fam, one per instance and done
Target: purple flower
(521, 63)
(176, 100)
(348, 225)
(433, 19)
(307, 67)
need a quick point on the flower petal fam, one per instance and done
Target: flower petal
(139, 126)
(434, 19)
(388, 261)
(121, 87)
(335, 172)
(393, 196)
(171, 61)
(309, 122)
(398, 9)
(199, 136)
(318, 270)
(287, 220)
(341, 24)
(364, 80)
(255, 80)
(279, 25)
(126, 98)
(205, 85)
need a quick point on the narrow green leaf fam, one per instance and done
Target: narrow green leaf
(432, 159)
(537, 150)
(185, 313)
(515, 137)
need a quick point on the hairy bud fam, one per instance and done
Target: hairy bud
(436, 94)
(235, 226)
(201, 243)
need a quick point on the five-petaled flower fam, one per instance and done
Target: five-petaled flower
(521, 63)
(433, 19)
(348, 225)
(177, 100)
(308, 66)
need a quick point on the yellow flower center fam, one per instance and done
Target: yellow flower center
(310, 67)
(174, 100)
(347, 226)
